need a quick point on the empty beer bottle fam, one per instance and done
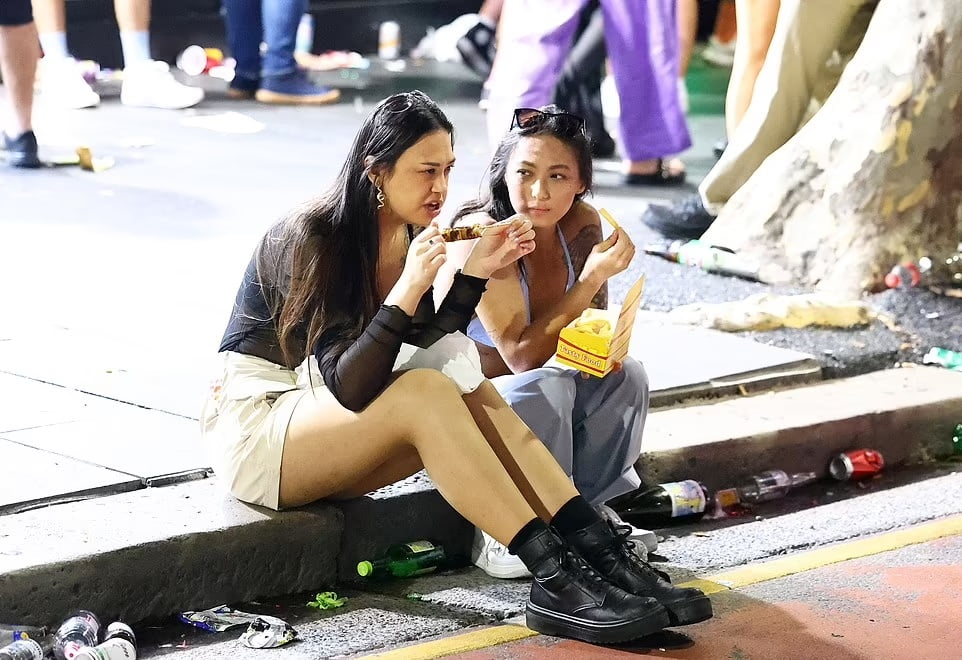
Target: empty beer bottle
(10, 633)
(674, 502)
(26, 648)
(404, 560)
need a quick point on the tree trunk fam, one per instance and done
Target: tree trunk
(875, 177)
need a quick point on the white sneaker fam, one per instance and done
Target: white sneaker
(494, 559)
(719, 53)
(683, 96)
(151, 85)
(61, 84)
(647, 539)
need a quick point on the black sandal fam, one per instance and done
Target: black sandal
(662, 176)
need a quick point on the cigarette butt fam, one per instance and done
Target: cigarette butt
(607, 216)
(86, 159)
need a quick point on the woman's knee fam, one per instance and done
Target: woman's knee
(426, 384)
(636, 378)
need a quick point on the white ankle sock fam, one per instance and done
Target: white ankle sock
(54, 45)
(136, 46)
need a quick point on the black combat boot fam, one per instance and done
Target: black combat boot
(608, 550)
(569, 599)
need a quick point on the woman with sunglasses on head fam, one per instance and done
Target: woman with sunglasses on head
(339, 376)
(593, 426)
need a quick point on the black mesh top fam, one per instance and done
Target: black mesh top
(355, 372)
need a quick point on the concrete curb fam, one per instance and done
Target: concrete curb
(907, 414)
(159, 551)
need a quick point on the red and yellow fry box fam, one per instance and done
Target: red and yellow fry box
(598, 339)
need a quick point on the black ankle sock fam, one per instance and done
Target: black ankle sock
(573, 515)
(531, 529)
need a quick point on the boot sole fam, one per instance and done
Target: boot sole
(547, 622)
(687, 612)
(276, 98)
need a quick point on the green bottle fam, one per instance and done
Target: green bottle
(404, 560)
(957, 440)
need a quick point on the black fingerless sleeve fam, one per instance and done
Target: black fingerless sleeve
(453, 315)
(357, 374)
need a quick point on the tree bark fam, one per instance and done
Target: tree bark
(875, 177)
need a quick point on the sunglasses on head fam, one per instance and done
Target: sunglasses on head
(529, 117)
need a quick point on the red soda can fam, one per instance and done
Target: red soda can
(856, 464)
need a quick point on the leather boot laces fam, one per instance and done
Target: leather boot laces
(626, 548)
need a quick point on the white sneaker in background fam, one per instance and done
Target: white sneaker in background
(151, 85)
(494, 558)
(610, 102)
(718, 52)
(647, 539)
(61, 84)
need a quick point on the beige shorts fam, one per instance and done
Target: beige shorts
(251, 400)
(244, 423)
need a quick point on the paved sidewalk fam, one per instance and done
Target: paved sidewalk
(895, 605)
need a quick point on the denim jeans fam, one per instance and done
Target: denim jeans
(274, 22)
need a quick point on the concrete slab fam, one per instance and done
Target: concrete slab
(145, 443)
(907, 414)
(684, 362)
(157, 551)
(29, 476)
(29, 403)
(103, 365)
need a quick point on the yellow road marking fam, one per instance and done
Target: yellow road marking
(806, 561)
(724, 581)
(472, 641)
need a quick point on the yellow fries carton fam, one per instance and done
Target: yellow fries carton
(598, 339)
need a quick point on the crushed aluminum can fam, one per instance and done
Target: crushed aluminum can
(856, 464)
(217, 619)
(267, 632)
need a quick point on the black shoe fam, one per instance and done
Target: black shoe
(719, 148)
(570, 599)
(603, 147)
(686, 218)
(607, 549)
(22, 151)
(477, 48)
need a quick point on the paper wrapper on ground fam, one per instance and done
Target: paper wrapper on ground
(585, 345)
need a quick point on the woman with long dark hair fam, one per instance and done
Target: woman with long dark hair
(340, 376)
(593, 426)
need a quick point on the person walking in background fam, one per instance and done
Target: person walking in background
(477, 46)
(18, 65)
(642, 41)
(275, 77)
(805, 35)
(146, 82)
(593, 426)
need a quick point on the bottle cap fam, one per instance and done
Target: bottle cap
(365, 568)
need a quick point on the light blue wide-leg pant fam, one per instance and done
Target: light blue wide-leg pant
(592, 426)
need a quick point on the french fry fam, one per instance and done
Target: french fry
(610, 218)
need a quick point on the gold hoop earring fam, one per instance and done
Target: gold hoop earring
(379, 197)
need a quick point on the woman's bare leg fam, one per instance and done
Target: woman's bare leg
(331, 451)
(756, 25)
(532, 467)
(687, 31)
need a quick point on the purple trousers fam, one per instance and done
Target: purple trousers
(642, 42)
